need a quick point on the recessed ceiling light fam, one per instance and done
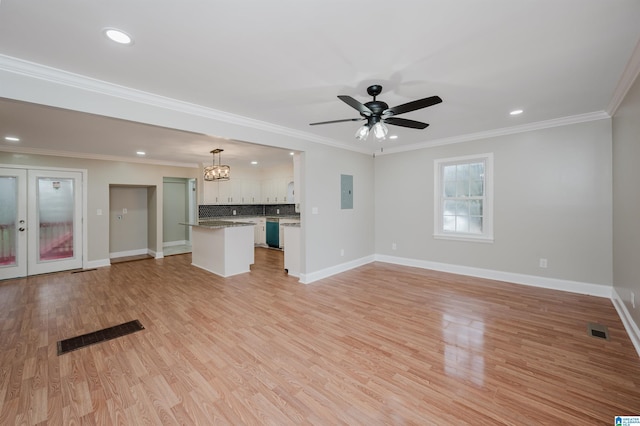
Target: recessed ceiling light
(393, 137)
(141, 153)
(11, 139)
(254, 162)
(118, 36)
(516, 112)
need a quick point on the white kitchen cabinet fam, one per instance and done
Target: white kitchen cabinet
(282, 222)
(210, 192)
(234, 191)
(268, 191)
(251, 192)
(259, 231)
(274, 190)
(225, 192)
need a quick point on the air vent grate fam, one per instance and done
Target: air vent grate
(99, 336)
(598, 330)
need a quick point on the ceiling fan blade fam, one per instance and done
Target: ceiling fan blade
(414, 105)
(355, 104)
(403, 122)
(336, 121)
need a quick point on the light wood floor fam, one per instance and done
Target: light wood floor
(381, 344)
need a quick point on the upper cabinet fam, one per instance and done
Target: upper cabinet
(274, 190)
(250, 187)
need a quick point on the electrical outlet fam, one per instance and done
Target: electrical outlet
(394, 246)
(543, 262)
(124, 211)
(234, 212)
(341, 252)
(99, 212)
(277, 211)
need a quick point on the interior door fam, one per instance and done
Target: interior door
(55, 221)
(13, 227)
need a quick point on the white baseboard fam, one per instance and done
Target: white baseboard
(156, 254)
(90, 264)
(629, 324)
(175, 243)
(126, 253)
(343, 267)
(599, 290)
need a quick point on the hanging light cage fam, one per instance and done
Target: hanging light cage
(219, 171)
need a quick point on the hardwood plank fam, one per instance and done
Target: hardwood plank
(381, 344)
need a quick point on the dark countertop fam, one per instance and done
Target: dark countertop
(213, 224)
(241, 218)
(291, 225)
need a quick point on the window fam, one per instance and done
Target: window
(463, 203)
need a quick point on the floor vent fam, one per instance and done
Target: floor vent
(78, 342)
(598, 330)
(83, 270)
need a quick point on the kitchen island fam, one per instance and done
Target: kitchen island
(224, 248)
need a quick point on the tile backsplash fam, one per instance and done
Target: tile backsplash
(213, 210)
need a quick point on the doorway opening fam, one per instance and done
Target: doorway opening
(132, 222)
(179, 206)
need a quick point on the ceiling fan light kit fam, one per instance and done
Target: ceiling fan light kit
(362, 133)
(378, 114)
(219, 171)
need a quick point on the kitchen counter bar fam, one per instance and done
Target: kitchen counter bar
(224, 248)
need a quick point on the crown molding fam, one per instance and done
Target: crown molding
(556, 122)
(57, 76)
(87, 156)
(54, 75)
(627, 79)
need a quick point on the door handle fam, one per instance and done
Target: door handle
(21, 229)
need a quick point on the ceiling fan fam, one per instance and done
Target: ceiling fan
(378, 113)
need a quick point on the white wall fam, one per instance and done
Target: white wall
(127, 232)
(332, 229)
(552, 192)
(626, 206)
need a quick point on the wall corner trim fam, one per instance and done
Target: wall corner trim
(629, 325)
(90, 264)
(333, 270)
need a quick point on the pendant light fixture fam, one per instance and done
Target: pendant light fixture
(216, 172)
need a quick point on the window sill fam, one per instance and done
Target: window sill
(465, 237)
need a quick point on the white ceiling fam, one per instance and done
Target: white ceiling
(284, 62)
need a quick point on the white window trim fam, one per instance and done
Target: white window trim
(487, 216)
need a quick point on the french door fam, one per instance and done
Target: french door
(40, 221)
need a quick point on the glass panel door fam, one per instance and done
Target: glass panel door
(13, 236)
(55, 218)
(55, 221)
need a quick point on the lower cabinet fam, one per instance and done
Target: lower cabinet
(261, 232)
(283, 221)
